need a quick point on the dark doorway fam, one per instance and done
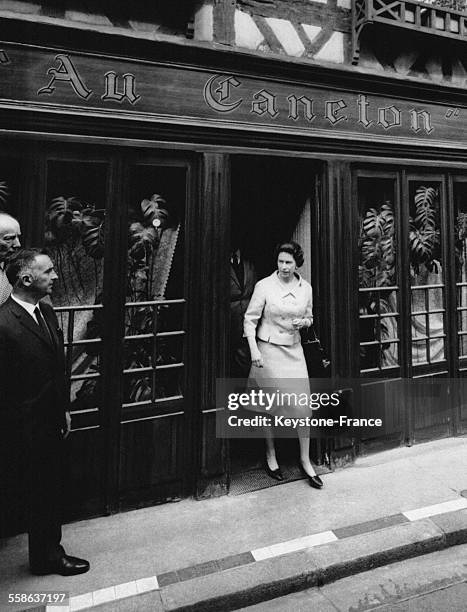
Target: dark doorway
(273, 200)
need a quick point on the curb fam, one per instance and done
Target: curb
(268, 579)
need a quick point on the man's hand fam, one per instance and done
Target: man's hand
(66, 431)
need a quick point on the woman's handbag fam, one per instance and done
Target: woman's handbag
(317, 362)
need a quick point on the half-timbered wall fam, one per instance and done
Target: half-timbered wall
(319, 31)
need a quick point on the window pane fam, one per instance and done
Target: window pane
(378, 290)
(426, 272)
(460, 219)
(155, 305)
(74, 237)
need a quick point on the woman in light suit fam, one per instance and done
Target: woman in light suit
(280, 306)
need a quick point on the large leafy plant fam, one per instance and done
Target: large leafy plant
(73, 225)
(377, 246)
(377, 239)
(72, 220)
(377, 249)
(424, 237)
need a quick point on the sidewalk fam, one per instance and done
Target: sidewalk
(225, 553)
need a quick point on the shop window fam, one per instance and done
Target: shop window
(155, 306)
(378, 288)
(426, 272)
(153, 357)
(460, 217)
(74, 236)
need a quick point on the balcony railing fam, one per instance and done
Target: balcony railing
(414, 15)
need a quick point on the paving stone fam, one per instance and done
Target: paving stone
(167, 578)
(242, 586)
(450, 599)
(141, 603)
(310, 600)
(201, 569)
(454, 525)
(381, 523)
(366, 551)
(235, 560)
(385, 586)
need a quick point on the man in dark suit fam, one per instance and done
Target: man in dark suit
(242, 283)
(33, 404)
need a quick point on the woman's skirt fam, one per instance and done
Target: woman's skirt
(284, 377)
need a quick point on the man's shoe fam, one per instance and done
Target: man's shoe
(65, 566)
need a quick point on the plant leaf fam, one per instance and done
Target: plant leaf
(425, 208)
(4, 192)
(141, 240)
(64, 217)
(373, 223)
(93, 238)
(422, 244)
(157, 213)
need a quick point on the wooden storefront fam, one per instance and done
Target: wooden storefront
(339, 159)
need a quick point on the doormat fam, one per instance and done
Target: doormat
(257, 479)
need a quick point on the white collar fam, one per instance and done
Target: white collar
(26, 305)
(285, 290)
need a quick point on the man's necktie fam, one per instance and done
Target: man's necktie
(5, 287)
(43, 325)
(237, 265)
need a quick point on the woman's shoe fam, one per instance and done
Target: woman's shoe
(276, 474)
(315, 482)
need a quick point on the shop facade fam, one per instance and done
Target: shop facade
(133, 168)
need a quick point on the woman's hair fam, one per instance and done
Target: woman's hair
(292, 248)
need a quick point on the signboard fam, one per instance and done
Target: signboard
(77, 83)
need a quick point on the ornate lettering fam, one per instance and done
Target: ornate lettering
(223, 93)
(67, 73)
(452, 113)
(385, 121)
(332, 108)
(307, 107)
(364, 113)
(417, 117)
(128, 89)
(264, 102)
(363, 105)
